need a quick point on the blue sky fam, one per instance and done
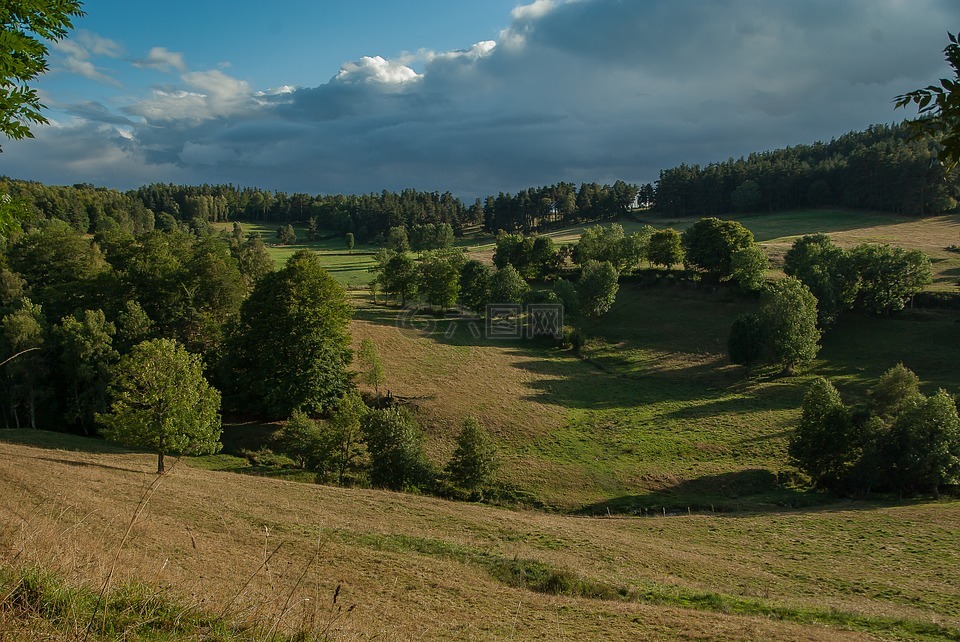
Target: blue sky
(472, 96)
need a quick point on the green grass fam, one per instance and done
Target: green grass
(542, 577)
(349, 267)
(42, 604)
(654, 416)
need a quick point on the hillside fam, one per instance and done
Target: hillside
(420, 568)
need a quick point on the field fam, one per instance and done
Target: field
(775, 232)
(425, 569)
(350, 267)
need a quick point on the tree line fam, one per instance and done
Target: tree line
(884, 168)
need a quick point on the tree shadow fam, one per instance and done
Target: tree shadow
(60, 441)
(91, 464)
(737, 494)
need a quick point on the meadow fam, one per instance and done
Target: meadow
(269, 553)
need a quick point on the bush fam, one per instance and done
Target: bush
(474, 462)
(395, 443)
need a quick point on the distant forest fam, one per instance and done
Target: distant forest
(881, 169)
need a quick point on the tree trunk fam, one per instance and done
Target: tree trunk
(159, 463)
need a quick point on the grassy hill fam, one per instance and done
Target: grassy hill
(275, 552)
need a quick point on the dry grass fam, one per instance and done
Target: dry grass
(932, 235)
(204, 534)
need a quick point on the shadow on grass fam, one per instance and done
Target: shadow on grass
(61, 441)
(741, 492)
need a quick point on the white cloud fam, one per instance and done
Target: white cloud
(78, 50)
(87, 69)
(537, 9)
(97, 45)
(211, 94)
(162, 59)
(375, 69)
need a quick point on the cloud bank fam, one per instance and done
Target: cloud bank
(575, 90)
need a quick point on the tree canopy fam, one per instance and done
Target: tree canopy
(788, 314)
(162, 401)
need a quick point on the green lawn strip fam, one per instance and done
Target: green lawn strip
(542, 577)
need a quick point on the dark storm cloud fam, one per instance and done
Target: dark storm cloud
(583, 90)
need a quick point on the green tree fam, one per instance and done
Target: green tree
(597, 288)
(25, 25)
(400, 277)
(346, 436)
(748, 267)
(253, 261)
(349, 240)
(301, 439)
(371, 366)
(747, 197)
(665, 248)
(890, 276)
(788, 312)
(24, 334)
(133, 326)
(600, 243)
(439, 277)
(397, 239)
(709, 244)
(162, 401)
(824, 444)
(747, 341)
(829, 271)
(544, 258)
(395, 443)
(895, 391)
(86, 355)
(291, 347)
(286, 234)
(63, 270)
(474, 462)
(939, 108)
(507, 286)
(566, 293)
(925, 444)
(515, 250)
(475, 285)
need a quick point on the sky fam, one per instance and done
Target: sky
(469, 96)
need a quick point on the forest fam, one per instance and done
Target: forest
(883, 169)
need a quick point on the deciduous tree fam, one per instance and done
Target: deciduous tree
(395, 443)
(665, 248)
(597, 288)
(291, 347)
(788, 312)
(25, 28)
(162, 401)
